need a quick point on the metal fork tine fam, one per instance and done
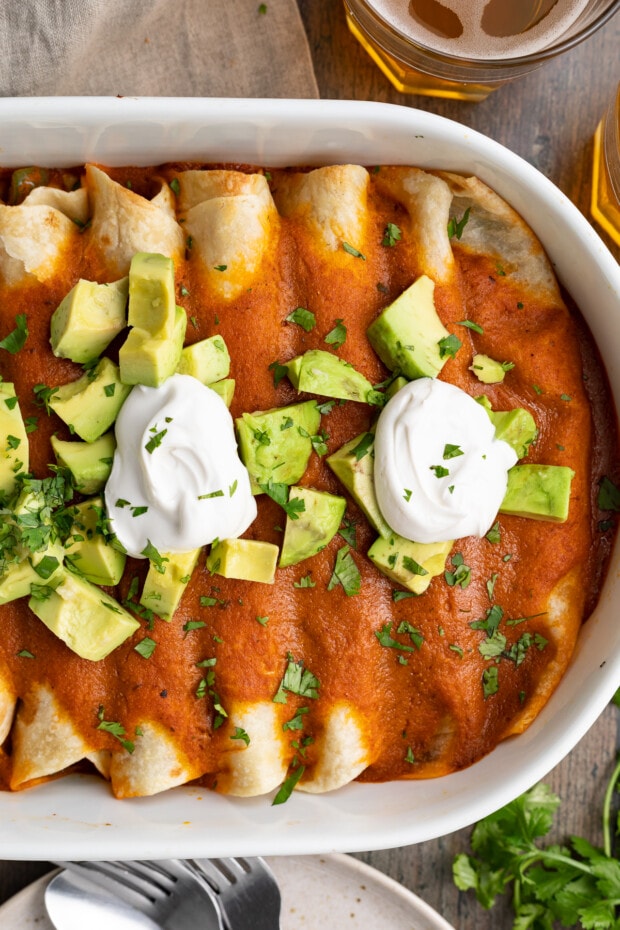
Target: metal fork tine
(167, 890)
(130, 887)
(247, 891)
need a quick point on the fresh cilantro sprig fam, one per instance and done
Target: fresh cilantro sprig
(576, 884)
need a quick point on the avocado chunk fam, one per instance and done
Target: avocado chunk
(541, 492)
(314, 527)
(207, 360)
(276, 444)
(354, 465)
(41, 568)
(487, 370)
(225, 388)
(89, 621)
(412, 565)
(395, 386)
(162, 591)
(152, 300)
(245, 559)
(90, 405)
(406, 335)
(517, 427)
(148, 359)
(14, 451)
(88, 548)
(320, 372)
(88, 319)
(90, 463)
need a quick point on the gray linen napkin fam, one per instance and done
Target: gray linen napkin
(196, 48)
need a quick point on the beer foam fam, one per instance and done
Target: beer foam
(474, 42)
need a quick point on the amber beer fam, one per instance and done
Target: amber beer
(606, 171)
(465, 48)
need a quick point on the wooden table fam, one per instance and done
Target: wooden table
(548, 118)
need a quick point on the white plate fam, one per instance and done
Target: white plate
(76, 817)
(318, 893)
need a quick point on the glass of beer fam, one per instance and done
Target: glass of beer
(606, 170)
(464, 49)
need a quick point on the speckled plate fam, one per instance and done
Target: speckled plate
(334, 892)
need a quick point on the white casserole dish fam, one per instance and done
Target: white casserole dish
(76, 817)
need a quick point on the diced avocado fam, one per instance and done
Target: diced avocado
(395, 386)
(41, 568)
(163, 591)
(90, 405)
(354, 465)
(152, 300)
(541, 492)
(89, 621)
(150, 360)
(314, 527)
(406, 334)
(90, 463)
(207, 360)
(14, 451)
(246, 559)
(410, 564)
(88, 319)
(487, 370)
(225, 388)
(320, 372)
(88, 549)
(517, 427)
(276, 444)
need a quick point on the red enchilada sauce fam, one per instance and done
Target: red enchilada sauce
(425, 709)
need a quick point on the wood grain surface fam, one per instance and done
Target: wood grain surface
(549, 118)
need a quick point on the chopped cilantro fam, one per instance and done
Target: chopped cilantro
(363, 446)
(279, 372)
(146, 647)
(469, 324)
(608, 495)
(462, 573)
(346, 573)
(338, 335)
(17, 338)
(351, 250)
(304, 318)
(391, 235)
(241, 735)
(117, 730)
(449, 346)
(155, 441)
(286, 788)
(296, 680)
(456, 227)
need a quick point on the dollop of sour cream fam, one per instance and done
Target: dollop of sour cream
(177, 482)
(440, 473)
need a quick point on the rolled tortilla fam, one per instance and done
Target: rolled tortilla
(331, 201)
(231, 223)
(33, 240)
(124, 223)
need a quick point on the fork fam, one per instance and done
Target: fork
(246, 890)
(170, 893)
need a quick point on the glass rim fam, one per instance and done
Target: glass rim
(533, 58)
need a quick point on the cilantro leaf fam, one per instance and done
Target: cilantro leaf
(304, 318)
(17, 338)
(345, 573)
